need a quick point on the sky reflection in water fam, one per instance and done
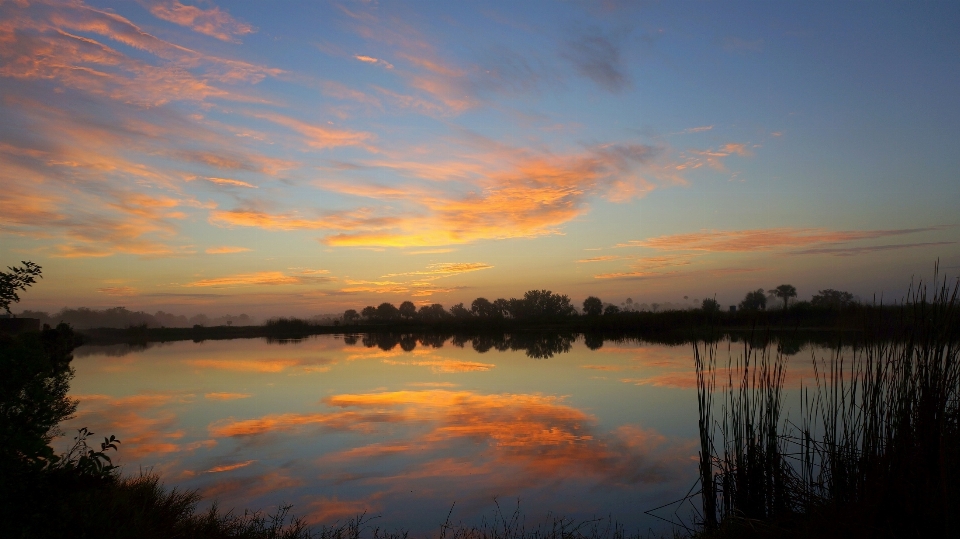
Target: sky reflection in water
(339, 429)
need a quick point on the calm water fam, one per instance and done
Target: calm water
(339, 428)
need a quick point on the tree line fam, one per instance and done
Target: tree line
(546, 305)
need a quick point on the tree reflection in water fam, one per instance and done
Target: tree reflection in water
(535, 345)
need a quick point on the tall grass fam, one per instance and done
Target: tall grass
(876, 449)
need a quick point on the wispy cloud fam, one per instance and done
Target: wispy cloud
(317, 136)
(853, 251)
(231, 183)
(445, 269)
(597, 57)
(226, 396)
(212, 22)
(229, 467)
(441, 366)
(226, 249)
(604, 258)
(374, 61)
(764, 239)
(261, 278)
(118, 291)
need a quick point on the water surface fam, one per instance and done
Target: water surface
(341, 426)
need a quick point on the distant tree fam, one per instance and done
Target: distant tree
(459, 311)
(754, 301)
(17, 279)
(386, 311)
(832, 299)
(611, 309)
(710, 305)
(350, 315)
(501, 307)
(541, 303)
(483, 308)
(432, 313)
(592, 306)
(408, 310)
(785, 292)
(369, 312)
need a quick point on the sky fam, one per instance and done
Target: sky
(301, 158)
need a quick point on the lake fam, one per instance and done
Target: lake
(405, 428)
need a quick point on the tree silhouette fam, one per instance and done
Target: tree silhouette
(611, 309)
(501, 307)
(710, 305)
(350, 315)
(408, 310)
(833, 299)
(432, 313)
(386, 311)
(541, 304)
(369, 312)
(785, 292)
(17, 279)
(459, 311)
(592, 306)
(754, 301)
(483, 308)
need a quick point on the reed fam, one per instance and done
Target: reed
(876, 450)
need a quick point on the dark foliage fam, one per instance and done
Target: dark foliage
(754, 301)
(18, 279)
(35, 377)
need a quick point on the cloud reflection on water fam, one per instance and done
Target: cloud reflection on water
(382, 437)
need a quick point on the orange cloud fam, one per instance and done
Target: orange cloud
(325, 510)
(227, 396)
(229, 467)
(226, 249)
(251, 487)
(282, 422)
(642, 268)
(446, 269)
(261, 278)
(143, 422)
(515, 194)
(316, 136)
(120, 291)
(363, 218)
(233, 183)
(442, 366)
(600, 258)
(263, 365)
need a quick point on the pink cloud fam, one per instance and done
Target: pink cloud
(212, 22)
